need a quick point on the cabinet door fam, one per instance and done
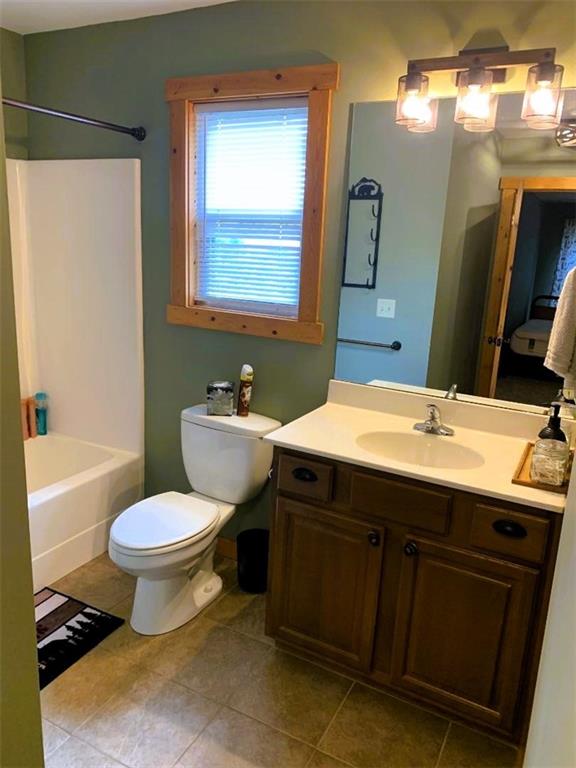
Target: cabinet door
(461, 629)
(325, 579)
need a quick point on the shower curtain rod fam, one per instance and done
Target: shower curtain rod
(139, 133)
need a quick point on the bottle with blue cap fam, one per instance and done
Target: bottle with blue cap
(41, 413)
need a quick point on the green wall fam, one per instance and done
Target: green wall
(20, 742)
(14, 86)
(117, 72)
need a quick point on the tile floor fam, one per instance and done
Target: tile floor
(217, 694)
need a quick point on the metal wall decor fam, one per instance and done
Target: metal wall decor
(362, 234)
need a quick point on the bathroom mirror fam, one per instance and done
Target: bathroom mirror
(471, 255)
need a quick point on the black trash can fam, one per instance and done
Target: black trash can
(252, 553)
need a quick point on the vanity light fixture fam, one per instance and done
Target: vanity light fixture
(413, 104)
(566, 134)
(543, 99)
(476, 105)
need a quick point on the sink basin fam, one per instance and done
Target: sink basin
(420, 448)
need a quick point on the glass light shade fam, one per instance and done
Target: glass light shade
(566, 135)
(543, 99)
(412, 105)
(474, 90)
(430, 115)
(484, 126)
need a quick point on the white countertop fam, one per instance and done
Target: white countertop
(333, 429)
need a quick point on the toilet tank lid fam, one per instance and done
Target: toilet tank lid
(253, 425)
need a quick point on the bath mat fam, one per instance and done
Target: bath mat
(66, 629)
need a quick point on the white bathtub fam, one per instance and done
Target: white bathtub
(75, 490)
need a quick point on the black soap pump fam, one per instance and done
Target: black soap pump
(552, 430)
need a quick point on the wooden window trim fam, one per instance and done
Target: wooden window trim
(317, 83)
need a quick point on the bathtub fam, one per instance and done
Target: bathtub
(75, 490)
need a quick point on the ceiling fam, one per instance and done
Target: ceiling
(26, 16)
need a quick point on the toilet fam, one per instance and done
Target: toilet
(168, 541)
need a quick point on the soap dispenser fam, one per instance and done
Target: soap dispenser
(551, 452)
(552, 430)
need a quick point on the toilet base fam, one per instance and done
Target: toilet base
(166, 604)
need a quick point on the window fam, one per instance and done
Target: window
(250, 170)
(247, 200)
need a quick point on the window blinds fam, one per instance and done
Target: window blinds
(250, 175)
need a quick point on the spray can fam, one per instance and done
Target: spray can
(245, 390)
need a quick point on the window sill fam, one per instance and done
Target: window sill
(250, 324)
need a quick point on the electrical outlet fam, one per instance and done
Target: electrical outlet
(386, 308)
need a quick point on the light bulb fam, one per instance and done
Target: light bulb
(412, 104)
(415, 107)
(476, 104)
(542, 101)
(474, 96)
(429, 117)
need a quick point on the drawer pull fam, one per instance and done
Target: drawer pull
(304, 474)
(410, 549)
(374, 538)
(510, 528)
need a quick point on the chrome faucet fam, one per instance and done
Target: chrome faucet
(433, 424)
(452, 393)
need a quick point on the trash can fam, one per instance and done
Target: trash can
(252, 554)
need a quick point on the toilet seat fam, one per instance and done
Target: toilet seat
(163, 523)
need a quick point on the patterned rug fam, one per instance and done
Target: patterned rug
(66, 629)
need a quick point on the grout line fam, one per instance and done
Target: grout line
(316, 663)
(269, 725)
(336, 713)
(486, 735)
(200, 732)
(393, 694)
(96, 749)
(327, 754)
(436, 765)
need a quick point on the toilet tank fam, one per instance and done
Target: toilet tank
(225, 457)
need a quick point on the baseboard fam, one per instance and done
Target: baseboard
(226, 548)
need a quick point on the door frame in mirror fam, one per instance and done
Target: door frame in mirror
(512, 189)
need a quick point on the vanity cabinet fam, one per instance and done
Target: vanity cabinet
(329, 566)
(462, 624)
(438, 594)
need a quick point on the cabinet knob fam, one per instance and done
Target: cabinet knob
(510, 528)
(304, 474)
(410, 549)
(374, 538)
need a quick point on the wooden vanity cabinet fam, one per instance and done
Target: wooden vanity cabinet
(461, 630)
(328, 579)
(439, 594)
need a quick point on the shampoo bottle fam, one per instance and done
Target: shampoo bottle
(245, 390)
(41, 413)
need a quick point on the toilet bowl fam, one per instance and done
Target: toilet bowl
(168, 541)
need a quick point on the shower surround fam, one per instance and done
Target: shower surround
(76, 249)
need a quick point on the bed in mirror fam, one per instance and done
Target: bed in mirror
(477, 232)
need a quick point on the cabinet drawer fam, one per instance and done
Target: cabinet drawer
(509, 533)
(399, 502)
(312, 479)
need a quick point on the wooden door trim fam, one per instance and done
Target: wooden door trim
(497, 304)
(543, 183)
(512, 190)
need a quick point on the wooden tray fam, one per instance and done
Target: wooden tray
(522, 474)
